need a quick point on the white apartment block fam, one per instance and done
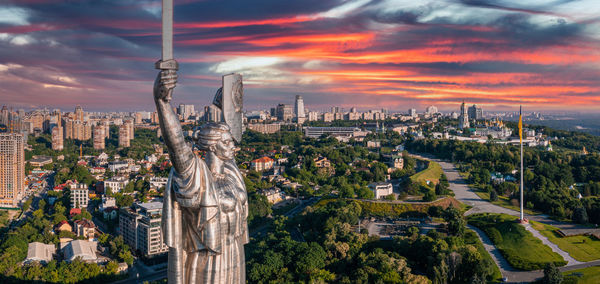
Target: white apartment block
(80, 196)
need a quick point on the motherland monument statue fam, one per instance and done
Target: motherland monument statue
(205, 201)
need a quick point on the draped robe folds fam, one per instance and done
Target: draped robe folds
(204, 224)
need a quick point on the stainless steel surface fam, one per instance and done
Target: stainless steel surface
(167, 30)
(233, 103)
(205, 204)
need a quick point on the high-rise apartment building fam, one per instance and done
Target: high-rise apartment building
(57, 138)
(80, 196)
(140, 227)
(154, 118)
(79, 113)
(299, 109)
(106, 124)
(99, 137)
(57, 117)
(124, 140)
(475, 112)
(37, 121)
(138, 118)
(12, 169)
(463, 119)
(130, 127)
(78, 130)
(412, 112)
(186, 111)
(212, 113)
(313, 116)
(4, 115)
(284, 112)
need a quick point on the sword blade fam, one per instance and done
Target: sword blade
(167, 30)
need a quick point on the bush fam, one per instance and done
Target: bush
(493, 195)
(429, 196)
(494, 235)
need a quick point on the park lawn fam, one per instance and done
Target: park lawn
(504, 201)
(582, 248)
(472, 239)
(520, 248)
(589, 275)
(432, 173)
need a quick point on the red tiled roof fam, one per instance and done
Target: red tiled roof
(85, 223)
(263, 160)
(75, 211)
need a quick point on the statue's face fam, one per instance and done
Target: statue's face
(225, 148)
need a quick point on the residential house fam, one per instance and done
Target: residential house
(262, 164)
(381, 189)
(63, 226)
(85, 228)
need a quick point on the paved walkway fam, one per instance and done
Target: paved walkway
(570, 260)
(465, 194)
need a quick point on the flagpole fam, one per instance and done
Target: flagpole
(521, 140)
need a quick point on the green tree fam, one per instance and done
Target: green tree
(580, 215)
(310, 258)
(364, 192)
(493, 195)
(429, 196)
(552, 275)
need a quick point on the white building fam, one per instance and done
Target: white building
(274, 195)
(431, 110)
(381, 189)
(108, 202)
(115, 166)
(40, 252)
(140, 227)
(116, 183)
(80, 196)
(86, 250)
(412, 112)
(158, 182)
(299, 109)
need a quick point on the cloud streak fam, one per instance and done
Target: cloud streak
(369, 54)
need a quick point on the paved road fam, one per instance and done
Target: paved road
(466, 195)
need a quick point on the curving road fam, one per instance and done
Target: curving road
(466, 195)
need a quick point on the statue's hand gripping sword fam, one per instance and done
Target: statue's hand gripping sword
(167, 62)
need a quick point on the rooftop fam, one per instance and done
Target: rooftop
(80, 248)
(40, 252)
(151, 205)
(263, 160)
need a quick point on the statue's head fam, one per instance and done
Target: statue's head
(215, 137)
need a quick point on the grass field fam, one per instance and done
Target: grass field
(472, 239)
(520, 248)
(582, 248)
(590, 275)
(504, 201)
(432, 173)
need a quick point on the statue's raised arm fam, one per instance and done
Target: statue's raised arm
(180, 152)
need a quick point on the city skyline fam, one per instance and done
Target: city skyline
(359, 53)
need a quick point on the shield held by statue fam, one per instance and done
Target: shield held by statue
(230, 99)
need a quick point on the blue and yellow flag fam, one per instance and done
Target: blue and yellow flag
(520, 126)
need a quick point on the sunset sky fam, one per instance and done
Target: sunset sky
(544, 54)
